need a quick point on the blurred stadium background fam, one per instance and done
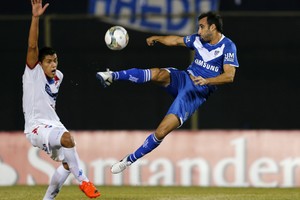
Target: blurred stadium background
(246, 134)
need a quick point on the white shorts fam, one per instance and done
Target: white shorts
(47, 138)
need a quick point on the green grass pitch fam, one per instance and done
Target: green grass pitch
(154, 193)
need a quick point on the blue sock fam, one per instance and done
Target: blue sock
(134, 75)
(150, 143)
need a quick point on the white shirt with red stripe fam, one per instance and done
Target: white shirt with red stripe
(39, 97)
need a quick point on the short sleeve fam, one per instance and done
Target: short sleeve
(189, 40)
(230, 55)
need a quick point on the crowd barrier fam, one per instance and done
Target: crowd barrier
(236, 158)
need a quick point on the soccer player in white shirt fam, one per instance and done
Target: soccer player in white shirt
(41, 81)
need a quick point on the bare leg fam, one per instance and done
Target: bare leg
(167, 125)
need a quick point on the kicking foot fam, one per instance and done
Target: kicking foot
(120, 166)
(105, 78)
(89, 189)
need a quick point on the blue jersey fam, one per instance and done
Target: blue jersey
(209, 59)
(208, 62)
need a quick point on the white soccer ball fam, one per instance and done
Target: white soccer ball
(116, 38)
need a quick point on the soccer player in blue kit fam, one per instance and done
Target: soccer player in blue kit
(215, 62)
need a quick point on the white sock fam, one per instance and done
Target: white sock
(72, 158)
(59, 177)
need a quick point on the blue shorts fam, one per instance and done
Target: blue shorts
(188, 96)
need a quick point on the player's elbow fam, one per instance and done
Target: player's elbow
(230, 78)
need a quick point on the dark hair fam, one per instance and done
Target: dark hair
(43, 52)
(213, 18)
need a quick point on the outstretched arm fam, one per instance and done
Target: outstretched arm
(33, 51)
(226, 77)
(170, 40)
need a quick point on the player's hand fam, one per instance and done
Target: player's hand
(37, 7)
(151, 41)
(199, 80)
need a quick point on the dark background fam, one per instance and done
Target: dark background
(265, 94)
(81, 6)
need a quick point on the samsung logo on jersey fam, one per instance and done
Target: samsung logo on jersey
(229, 57)
(206, 66)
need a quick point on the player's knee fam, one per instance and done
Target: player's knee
(67, 140)
(66, 166)
(160, 75)
(155, 74)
